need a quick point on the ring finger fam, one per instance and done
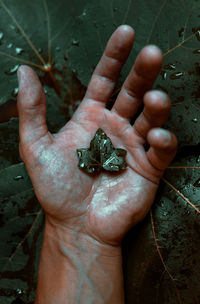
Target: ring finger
(156, 110)
(140, 80)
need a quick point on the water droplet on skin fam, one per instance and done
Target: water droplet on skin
(15, 92)
(195, 120)
(176, 75)
(12, 70)
(9, 45)
(75, 42)
(19, 51)
(18, 177)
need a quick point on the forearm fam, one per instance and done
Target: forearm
(74, 268)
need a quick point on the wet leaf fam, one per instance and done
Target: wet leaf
(39, 39)
(154, 23)
(101, 155)
(21, 224)
(161, 254)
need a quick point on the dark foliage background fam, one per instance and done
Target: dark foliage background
(63, 41)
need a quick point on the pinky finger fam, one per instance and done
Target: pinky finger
(163, 148)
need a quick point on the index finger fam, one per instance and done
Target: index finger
(107, 71)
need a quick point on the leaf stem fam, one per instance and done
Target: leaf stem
(23, 32)
(160, 255)
(181, 195)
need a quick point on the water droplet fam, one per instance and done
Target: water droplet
(47, 67)
(180, 32)
(196, 31)
(1, 35)
(163, 74)
(18, 177)
(9, 45)
(45, 90)
(170, 66)
(40, 50)
(75, 42)
(197, 183)
(196, 51)
(12, 70)
(19, 51)
(198, 35)
(195, 120)
(176, 75)
(84, 13)
(19, 291)
(15, 92)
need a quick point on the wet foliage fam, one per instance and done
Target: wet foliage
(63, 43)
(101, 155)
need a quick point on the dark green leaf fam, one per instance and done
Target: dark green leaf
(101, 155)
(171, 25)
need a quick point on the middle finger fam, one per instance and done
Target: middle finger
(140, 80)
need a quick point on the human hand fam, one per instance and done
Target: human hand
(104, 206)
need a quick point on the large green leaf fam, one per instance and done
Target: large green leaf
(161, 262)
(21, 235)
(161, 255)
(36, 33)
(173, 26)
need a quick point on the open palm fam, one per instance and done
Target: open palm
(106, 205)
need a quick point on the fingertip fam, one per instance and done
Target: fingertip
(156, 100)
(163, 147)
(126, 29)
(149, 61)
(121, 42)
(162, 139)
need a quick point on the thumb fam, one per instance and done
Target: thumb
(31, 104)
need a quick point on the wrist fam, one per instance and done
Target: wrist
(73, 265)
